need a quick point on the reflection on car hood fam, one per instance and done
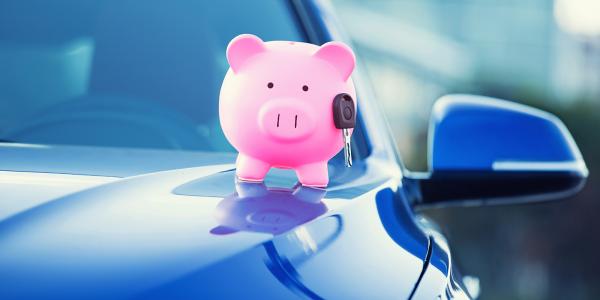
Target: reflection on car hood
(135, 222)
(123, 224)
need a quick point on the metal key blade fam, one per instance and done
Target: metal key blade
(347, 148)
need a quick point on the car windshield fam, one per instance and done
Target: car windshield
(136, 74)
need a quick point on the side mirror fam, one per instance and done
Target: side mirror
(484, 150)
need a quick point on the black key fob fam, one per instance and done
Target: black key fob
(344, 114)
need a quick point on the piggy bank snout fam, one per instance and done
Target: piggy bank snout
(287, 119)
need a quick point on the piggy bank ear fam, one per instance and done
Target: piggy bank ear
(339, 55)
(241, 48)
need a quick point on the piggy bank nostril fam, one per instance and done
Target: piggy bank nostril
(296, 121)
(278, 115)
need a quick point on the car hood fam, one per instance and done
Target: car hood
(31, 175)
(131, 223)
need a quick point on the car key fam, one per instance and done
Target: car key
(344, 117)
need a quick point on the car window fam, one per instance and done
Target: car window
(124, 73)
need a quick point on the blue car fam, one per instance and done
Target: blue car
(116, 180)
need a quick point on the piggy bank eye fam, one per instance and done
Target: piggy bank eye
(305, 88)
(270, 85)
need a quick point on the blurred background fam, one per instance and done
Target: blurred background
(538, 52)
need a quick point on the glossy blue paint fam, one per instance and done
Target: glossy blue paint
(397, 219)
(440, 258)
(503, 152)
(135, 237)
(476, 133)
(109, 162)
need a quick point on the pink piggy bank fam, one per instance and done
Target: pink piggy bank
(276, 105)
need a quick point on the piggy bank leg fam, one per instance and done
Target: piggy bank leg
(251, 169)
(314, 174)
